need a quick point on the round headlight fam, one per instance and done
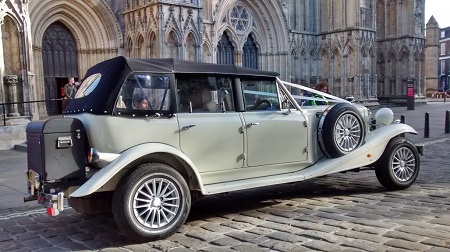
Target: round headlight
(384, 116)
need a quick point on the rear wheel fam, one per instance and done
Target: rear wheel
(151, 203)
(398, 166)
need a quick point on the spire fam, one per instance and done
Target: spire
(432, 23)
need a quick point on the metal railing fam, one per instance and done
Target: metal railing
(3, 105)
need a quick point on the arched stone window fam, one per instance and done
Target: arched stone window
(172, 48)
(225, 50)
(240, 18)
(250, 53)
(190, 48)
(153, 46)
(140, 50)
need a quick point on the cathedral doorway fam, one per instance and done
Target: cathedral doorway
(60, 62)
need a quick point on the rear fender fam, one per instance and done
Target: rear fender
(105, 174)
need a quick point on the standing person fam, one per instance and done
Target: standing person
(69, 92)
(322, 87)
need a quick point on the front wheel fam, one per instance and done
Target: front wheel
(399, 165)
(151, 203)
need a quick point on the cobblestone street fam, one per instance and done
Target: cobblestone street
(343, 212)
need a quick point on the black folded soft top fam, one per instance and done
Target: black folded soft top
(114, 71)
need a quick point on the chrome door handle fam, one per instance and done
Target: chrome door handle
(187, 127)
(252, 124)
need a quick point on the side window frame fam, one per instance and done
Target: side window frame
(192, 94)
(130, 111)
(274, 105)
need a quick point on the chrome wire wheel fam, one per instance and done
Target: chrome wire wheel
(156, 203)
(399, 165)
(151, 202)
(403, 164)
(348, 132)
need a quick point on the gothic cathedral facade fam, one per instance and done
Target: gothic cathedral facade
(370, 49)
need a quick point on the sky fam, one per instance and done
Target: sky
(440, 9)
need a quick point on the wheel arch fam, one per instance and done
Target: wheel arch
(140, 154)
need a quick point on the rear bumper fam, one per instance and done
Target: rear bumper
(54, 202)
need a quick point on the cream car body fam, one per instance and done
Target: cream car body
(208, 129)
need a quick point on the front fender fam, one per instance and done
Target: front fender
(106, 173)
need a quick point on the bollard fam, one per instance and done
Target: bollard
(427, 125)
(402, 119)
(447, 122)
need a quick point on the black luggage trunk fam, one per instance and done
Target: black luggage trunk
(56, 148)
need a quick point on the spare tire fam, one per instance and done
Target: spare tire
(341, 130)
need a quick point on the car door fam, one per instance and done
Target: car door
(210, 130)
(273, 136)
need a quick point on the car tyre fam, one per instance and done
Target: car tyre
(152, 202)
(399, 165)
(341, 130)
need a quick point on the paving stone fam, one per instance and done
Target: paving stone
(37, 243)
(82, 237)
(424, 232)
(225, 241)
(286, 237)
(11, 245)
(72, 246)
(202, 234)
(51, 249)
(281, 227)
(369, 230)
(217, 228)
(403, 236)
(396, 243)
(216, 249)
(248, 219)
(440, 243)
(282, 246)
(313, 226)
(322, 236)
(359, 235)
(237, 225)
(27, 236)
(373, 223)
(56, 240)
(248, 247)
(96, 244)
(185, 241)
(260, 231)
(4, 236)
(321, 245)
(247, 237)
(364, 245)
(333, 216)
(15, 229)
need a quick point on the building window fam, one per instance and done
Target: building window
(442, 67)
(443, 49)
(225, 51)
(250, 54)
(240, 18)
(442, 34)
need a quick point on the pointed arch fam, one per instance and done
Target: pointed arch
(191, 47)
(140, 51)
(225, 50)
(172, 42)
(250, 53)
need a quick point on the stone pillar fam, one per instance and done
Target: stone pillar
(11, 82)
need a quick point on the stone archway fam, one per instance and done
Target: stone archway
(60, 61)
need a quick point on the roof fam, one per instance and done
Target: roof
(114, 71)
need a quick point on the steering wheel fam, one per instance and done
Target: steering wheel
(260, 103)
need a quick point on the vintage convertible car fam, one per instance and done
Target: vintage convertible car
(143, 138)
